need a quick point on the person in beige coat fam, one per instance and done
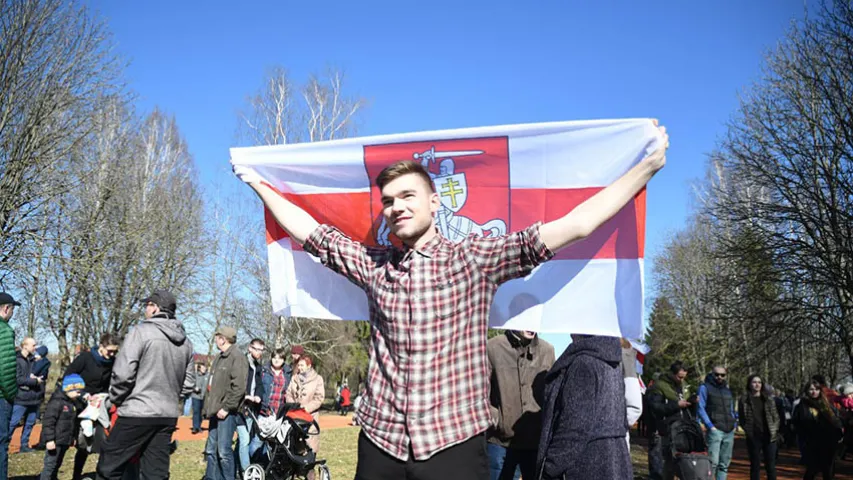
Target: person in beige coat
(307, 389)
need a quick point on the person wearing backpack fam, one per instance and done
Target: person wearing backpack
(667, 403)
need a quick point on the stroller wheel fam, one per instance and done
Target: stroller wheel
(254, 472)
(324, 473)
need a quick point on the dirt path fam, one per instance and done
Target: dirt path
(787, 466)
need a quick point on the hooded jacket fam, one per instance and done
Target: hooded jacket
(584, 423)
(42, 365)
(154, 370)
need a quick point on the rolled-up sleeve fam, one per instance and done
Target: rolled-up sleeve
(342, 254)
(508, 257)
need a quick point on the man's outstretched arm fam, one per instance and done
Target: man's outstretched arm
(591, 214)
(296, 222)
(334, 249)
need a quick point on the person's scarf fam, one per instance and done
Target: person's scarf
(100, 360)
(819, 406)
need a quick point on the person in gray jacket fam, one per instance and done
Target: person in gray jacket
(154, 371)
(198, 396)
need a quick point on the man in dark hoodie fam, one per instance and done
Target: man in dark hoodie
(153, 373)
(583, 418)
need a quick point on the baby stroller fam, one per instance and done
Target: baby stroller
(285, 454)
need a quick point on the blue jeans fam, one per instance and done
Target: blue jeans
(187, 404)
(247, 443)
(5, 436)
(219, 450)
(30, 413)
(720, 446)
(198, 404)
(510, 463)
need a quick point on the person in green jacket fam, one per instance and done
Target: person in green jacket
(8, 377)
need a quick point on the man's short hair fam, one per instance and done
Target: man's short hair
(108, 339)
(405, 167)
(257, 341)
(677, 367)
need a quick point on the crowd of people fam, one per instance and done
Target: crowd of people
(440, 401)
(818, 422)
(122, 398)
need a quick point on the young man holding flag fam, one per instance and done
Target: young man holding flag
(426, 409)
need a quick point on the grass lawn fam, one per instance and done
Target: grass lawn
(338, 446)
(188, 461)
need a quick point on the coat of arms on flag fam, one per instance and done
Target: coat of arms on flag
(470, 176)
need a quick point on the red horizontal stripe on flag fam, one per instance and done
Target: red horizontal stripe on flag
(349, 212)
(621, 237)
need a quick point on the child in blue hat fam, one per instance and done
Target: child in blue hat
(59, 425)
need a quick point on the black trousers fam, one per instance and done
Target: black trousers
(52, 462)
(149, 438)
(755, 447)
(465, 461)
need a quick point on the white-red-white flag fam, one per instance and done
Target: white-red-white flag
(491, 181)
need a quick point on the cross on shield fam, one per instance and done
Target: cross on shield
(452, 190)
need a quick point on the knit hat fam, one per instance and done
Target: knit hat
(297, 350)
(73, 382)
(847, 389)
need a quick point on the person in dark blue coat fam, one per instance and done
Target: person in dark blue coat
(584, 423)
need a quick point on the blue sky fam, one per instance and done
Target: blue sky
(443, 64)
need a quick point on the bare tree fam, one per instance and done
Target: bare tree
(791, 147)
(55, 65)
(130, 222)
(771, 275)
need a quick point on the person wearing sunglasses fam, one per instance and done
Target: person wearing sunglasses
(717, 413)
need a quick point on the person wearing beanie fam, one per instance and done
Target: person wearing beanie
(59, 424)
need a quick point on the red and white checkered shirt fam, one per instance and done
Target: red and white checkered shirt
(428, 375)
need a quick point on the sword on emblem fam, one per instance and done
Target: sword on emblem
(431, 155)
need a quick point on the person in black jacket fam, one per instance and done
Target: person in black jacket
(59, 427)
(96, 368)
(667, 404)
(30, 394)
(248, 444)
(583, 416)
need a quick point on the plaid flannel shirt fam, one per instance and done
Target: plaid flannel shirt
(428, 375)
